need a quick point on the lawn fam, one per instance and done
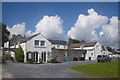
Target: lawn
(107, 69)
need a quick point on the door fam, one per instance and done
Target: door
(36, 57)
(43, 56)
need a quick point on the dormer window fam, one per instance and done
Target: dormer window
(39, 43)
(58, 46)
(42, 43)
(36, 42)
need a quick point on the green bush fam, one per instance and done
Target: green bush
(48, 61)
(19, 54)
(6, 57)
(27, 62)
(3, 59)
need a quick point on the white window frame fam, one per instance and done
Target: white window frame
(58, 46)
(39, 45)
(44, 43)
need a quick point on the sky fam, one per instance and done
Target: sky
(89, 21)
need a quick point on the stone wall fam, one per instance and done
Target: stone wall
(61, 54)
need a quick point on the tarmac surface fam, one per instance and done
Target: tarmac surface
(47, 70)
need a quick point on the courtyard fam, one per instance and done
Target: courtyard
(47, 70)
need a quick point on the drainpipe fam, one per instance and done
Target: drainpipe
(38, 58)
(94, 53)
(25, 56)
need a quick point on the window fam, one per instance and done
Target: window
(42, 43)
(36, 42)
(29, 56)
(39, 43)
(58, 46)
(91, 54)
(64, 46)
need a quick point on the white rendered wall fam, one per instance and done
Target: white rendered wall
(60, 46)
(30, 45)
(6, 45)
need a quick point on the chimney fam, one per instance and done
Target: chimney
(24, 36)
(13, 35)
(69, 42)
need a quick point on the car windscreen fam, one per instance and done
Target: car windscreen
(99, 56)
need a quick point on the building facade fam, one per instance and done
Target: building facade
(36, 43)
(93, 49)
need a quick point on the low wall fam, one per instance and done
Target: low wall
(61, 54)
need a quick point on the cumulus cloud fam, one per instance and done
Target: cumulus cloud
(110, 33)
(28, 33)
(101, 33)
(50, 27)
(17, 29)
(85, 26)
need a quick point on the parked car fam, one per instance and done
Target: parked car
(103, 58)
(53, 61)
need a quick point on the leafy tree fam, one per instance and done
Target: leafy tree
(5, 33)
(75, 41)
(113, 49)
(109, 49)
(19, 54)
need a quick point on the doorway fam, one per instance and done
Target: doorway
(43, 56)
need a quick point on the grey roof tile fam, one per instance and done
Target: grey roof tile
(62, 42)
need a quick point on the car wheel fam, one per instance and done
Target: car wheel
(98, 61)
(103, 61)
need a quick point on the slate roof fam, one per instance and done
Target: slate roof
(103, 48)
(114, 52)
(19, 39)
(15, 40)
(77, 45)
(61, 42)
(89, 44)
(28, 38)
(118, 49)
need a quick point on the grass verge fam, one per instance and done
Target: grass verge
(107, 69)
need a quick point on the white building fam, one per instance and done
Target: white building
(93, 49)
(36, 43)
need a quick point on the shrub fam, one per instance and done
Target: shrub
(27, 62)
(19, 54)
(48, 61)
(6, 57)
(3, 59)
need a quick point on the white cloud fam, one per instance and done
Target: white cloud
(50, 27)
(110, 33)
(101, 33)
(17, 29)
(85, 26)
(28, 33)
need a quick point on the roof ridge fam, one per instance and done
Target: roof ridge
(56, 39)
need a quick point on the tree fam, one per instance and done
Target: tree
(109, 48)
(19, 54)
(113, 49)
(75, 41)
(5, 34)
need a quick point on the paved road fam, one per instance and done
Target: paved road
(47, 70)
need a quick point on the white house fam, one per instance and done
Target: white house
(93, 49)
(36, 43)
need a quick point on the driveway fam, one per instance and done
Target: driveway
(47, 70)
